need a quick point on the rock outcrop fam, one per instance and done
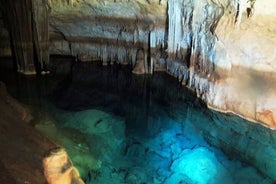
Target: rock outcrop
(58, 168)
(22, 147)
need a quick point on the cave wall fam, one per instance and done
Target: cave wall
(112, 31)
(226, 54)
(224, 50)
(27, 24)
(238, 138)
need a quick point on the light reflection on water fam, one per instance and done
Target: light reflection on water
(121, 128)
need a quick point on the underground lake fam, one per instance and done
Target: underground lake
(118, 127)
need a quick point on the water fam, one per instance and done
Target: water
(122, 128)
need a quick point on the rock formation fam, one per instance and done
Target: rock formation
(225, 51)
(219, 48)
(222, 49)
(27, 23)
(22, 147)
(58, 168)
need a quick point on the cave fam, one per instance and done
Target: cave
(138, 91)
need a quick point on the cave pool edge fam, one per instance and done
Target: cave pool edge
(155, 128)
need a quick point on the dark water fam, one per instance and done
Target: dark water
(122, 128)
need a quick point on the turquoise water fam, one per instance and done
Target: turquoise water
(122, 128)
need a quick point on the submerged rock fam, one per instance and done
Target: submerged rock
(200, 166)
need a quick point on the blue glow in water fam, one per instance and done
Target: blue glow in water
(120, 128)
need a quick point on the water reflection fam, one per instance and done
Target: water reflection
(122, 128)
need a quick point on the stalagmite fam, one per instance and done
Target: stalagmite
(141, 64)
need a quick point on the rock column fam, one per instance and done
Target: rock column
(27, 22)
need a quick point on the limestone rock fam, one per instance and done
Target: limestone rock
(228, 54)
(141, 66)
(198, 50)
(107, 31)
(58, 168)
(27, 23)
(267, 117)
(22, 147)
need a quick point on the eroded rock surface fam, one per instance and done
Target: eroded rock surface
(112, 31)
(225, 51)
(58, 168)
(22, 148)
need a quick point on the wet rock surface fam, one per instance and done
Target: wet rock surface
(224, 54)
(58, 168)
(22, 147)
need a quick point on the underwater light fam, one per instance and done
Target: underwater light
(199, 165)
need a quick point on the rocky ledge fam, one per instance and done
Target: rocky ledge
(23, 149)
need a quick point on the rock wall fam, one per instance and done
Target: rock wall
(26, 155)
(111, 31)
(22, 147)
(27, 23)
(225, 51)
(251, 143)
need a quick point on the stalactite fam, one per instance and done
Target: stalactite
(135, 36)
(133, 56)
(175, 27)
(104, 54)
(191, 42)
(240, 8)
